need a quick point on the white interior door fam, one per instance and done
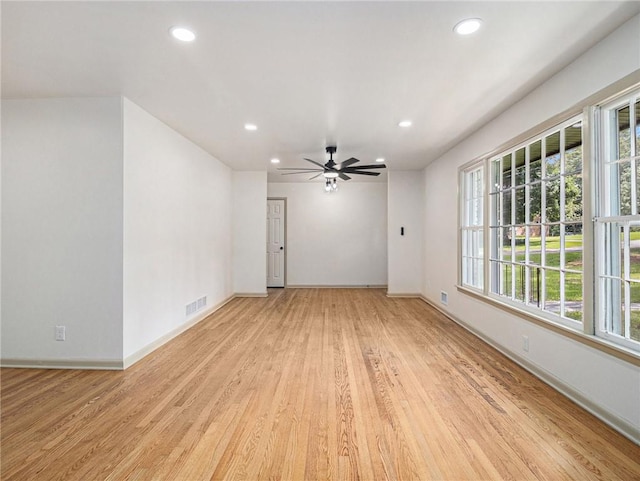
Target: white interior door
(275, 242)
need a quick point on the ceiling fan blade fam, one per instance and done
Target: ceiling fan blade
(378, 166)
(346, 163)
(343, 176)
(301, 169)
(301, 172)
(316, 163)
(317, 175)
(365, 173)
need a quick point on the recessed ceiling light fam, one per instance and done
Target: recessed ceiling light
(275, 161)
(380, 159)
(251, 126)
(183, 34)
(467, 26)
(405, 123)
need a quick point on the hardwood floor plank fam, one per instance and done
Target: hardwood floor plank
(307, 384)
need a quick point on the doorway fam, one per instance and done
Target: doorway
(276, 249)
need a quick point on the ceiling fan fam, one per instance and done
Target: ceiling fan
(331, 170)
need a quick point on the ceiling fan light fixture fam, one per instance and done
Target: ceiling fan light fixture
(327, 186)
(467, 26)
(330, 175)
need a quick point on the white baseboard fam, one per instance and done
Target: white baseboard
(93, 364)
(114, 364)
(404, 294)
(149, 348)
(251, 294)
(622, 426)
(335, 286)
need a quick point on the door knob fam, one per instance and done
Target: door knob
(281, 248)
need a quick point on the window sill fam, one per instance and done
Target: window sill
(620, 352)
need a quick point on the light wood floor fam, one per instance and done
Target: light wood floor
(307, 384)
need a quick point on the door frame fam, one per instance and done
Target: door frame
(286, 243)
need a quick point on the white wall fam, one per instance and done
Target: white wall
(338, 238)
(62, 204)
(603, 383)
(249, 233)
(177, 230)
(406, 209)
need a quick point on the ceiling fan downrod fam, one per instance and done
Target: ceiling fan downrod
(331, 149)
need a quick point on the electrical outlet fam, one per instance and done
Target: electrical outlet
(525, 343)
(61, 333)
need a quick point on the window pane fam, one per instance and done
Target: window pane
(494, 202)
(552, 288)
(476, 212)
(614, 248)
(634, 252)
(624, 188)
(535, 286)
(520, 282)
(479, 265)
(535, 161)
(521, 239)
(637, 162)
(573, 295)
(506, 171)
(638, 128)
(465, 270)
(496, 242)
(552, 251)
(573, 148)
(495, 175)
(609, 302)
(553, 230)
(634, 328)
(505, 253)
(573, 247)
(535, 202)
(552, 155)
(619, 324)
(505, 286)
(520, 167)
(552, 188)
(619, 255)
(535, 242)
(623, 133)
(521, 203)
(464, 234)
(477, 244)
(506, 207)
(573, 197)
(497, 236)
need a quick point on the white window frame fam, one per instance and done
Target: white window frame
(609, 316)
(472, 222)
(527, 266)
(592, 330)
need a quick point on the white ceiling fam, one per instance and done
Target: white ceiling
(307, 73)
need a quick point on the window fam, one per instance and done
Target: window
(472, 227)
(536, 223)
(532, 251)
(618, 226)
